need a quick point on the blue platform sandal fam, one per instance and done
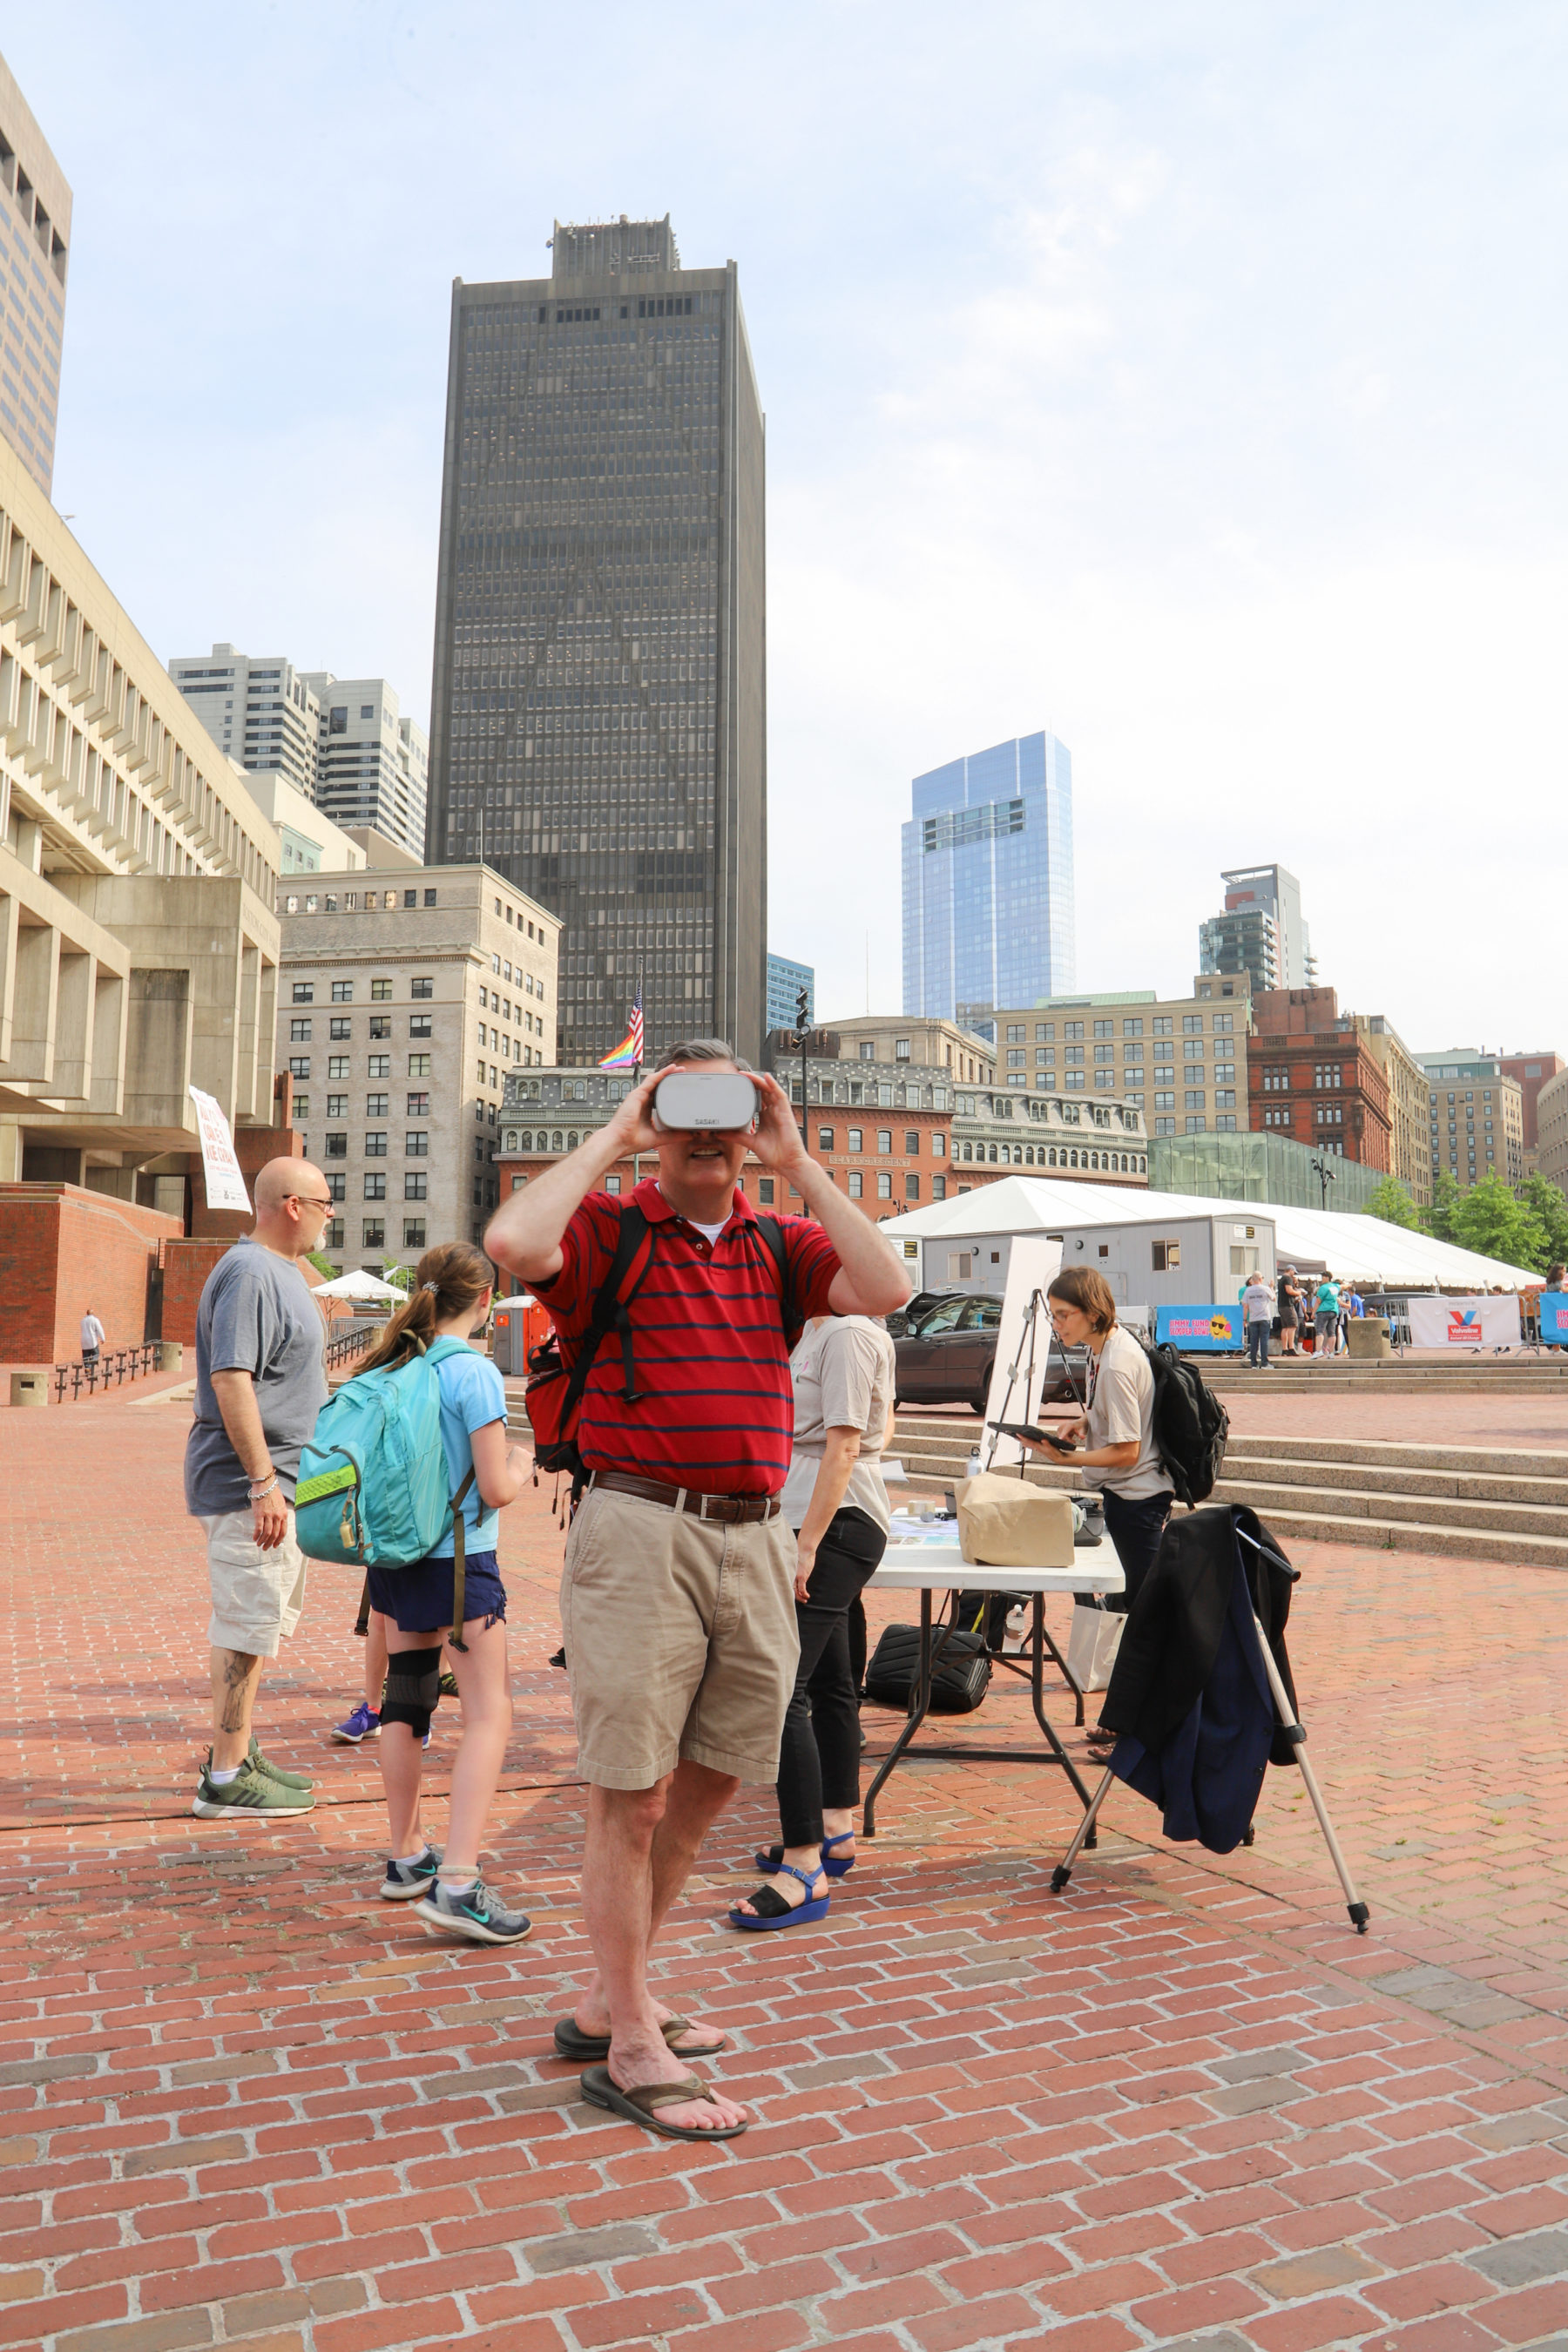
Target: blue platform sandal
(836, 1866)
(771, 1909)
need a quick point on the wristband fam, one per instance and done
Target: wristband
(258, 1494)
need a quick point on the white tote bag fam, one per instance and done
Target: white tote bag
(1093, 1644)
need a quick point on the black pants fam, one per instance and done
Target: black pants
(819, 1757)
(1135, 1530)
(1258, 1341)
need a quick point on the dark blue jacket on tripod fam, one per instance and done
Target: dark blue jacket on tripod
(1188, 1693)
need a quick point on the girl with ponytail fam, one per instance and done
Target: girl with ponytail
(451, 1300)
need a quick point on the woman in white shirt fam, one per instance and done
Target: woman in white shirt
(1117, 1432)
(842, 1371)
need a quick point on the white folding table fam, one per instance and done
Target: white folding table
(924, 1557)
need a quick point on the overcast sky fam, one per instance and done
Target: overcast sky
(1186, 377)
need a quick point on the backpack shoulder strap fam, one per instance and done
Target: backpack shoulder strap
(772, 1235)
(628, 1268)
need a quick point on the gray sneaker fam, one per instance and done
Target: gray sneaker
(405, 1881)
(475, 1913)
(250, 1791)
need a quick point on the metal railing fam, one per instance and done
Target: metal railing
(350, 1342)
(114, 1367)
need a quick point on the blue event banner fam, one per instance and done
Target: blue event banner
(1554, 1316)
(1204, 1330)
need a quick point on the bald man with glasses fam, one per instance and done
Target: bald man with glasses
(260, 1381)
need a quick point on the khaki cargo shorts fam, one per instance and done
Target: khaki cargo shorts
(681, 1640)
(258, 1596)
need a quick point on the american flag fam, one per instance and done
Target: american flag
(628, 1053)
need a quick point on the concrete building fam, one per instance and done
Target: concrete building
(1260, 932)
(908, 1038)
(1551, 1130)
(263, 712)
(1181, 1060)
(409, 995)
(1311, 1079)
(371, 762)
(893, 1134)
(35, 233)
(785, 981)
(1475, 1118)
(988, 881)
(1532, 1072)
(307, 840)
(598, 723)
(1408, 1103)
(137, 938)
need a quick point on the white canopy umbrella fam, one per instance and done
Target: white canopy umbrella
(359, 1285)
(1358, 1248)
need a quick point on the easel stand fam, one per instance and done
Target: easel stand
(1295, 1734)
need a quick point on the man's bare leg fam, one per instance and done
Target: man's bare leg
(235, 1675)
(637, 1854)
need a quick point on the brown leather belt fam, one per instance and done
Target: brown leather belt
(732, 1510)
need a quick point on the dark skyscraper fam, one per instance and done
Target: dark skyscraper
(599, 712)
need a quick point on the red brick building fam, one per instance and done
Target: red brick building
(1532, 1071)
(1311, 1080)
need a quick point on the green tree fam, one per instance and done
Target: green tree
(400, 1276)
(1392, 1203)
(324, 1266)
(1546, 1199)
(1490, 1219)
(1439, 1219)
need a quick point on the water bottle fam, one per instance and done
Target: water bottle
(972, 1467)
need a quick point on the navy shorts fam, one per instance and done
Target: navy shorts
(418, 1599)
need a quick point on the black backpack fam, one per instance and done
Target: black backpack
(1190, 1426)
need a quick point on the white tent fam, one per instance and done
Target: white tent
(359, 1285)
(1359, 1249)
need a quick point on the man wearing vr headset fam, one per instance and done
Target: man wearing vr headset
(678, 1595)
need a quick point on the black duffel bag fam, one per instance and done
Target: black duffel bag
(961, 1673)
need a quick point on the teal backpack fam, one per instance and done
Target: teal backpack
(371, 1489)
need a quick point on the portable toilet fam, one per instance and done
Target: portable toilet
(517, 1324)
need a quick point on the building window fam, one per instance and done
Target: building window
(852, 1141)
(372, 1232)
(415, 1184)
(1167, 1256)
(380, 1024)
(901, 1049)
(340, 1029)
(1224, 1023)
(342, 992)
(824, 1139)
(299, 1032)
(417, 1144)
(376, 1188)
(338, 1186)
(884, 1186)
(418, 988)
(299, 1066)
(1198, 1126)
(857, 1184)
(1276, 1118)
(939, 1188)
(333, 1237)
(419, 1025)
(765, 1191)
(912, 1188)
(429, 898)
(1276, 1081)
(912, 1141)
(417, 1106)
(418, 1065)
(375, 1144)
(1193, 1098)
(337, 1146)
(612, 1184)
(884, 1138)
(414, 1232)
(1326, 1074)
(305, 991)
(337, 1106)
(868, 1049)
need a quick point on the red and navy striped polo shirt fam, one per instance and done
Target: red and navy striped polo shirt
(716, 1411)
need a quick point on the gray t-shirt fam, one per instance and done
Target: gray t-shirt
(256, 1315)
(1121, 1413)
(843, 1376)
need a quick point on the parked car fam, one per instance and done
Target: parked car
(907, 1317)
(947, 1357)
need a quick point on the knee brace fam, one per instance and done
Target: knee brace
(413, 1687)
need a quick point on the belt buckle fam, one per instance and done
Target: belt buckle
(720, 1507)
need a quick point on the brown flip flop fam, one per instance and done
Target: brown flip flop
(638, 2105)
(571, 2042)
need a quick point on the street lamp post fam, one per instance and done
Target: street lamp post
(1325, 1176)
(802, 1032)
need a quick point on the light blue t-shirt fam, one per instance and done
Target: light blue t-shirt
(472, 1394)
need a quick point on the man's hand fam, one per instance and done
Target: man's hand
(777, 1141)
(632, 1127)
(270, 1521)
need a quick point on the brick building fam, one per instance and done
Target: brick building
(1308, 1078)
(1476, 1117)
(1530, 1072)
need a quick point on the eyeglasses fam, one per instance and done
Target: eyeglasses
(309, 1201)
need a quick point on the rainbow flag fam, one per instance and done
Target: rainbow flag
(627, 1055)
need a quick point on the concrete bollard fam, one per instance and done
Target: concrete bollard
(171, 1355)
(29, 1387)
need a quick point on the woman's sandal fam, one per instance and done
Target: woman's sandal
(770, 1909)
(638, 2107)
(571, 2042)
(836, 1866)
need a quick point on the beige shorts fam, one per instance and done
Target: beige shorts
(680, 1641)
(256, 1595)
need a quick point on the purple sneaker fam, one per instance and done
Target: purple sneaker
(365, 1722)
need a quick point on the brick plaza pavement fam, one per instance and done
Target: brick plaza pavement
(1182, 2104)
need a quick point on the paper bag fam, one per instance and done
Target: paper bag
(1093, 1644)
(1005, 1523)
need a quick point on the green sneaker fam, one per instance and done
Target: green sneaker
(271, 1771)
(250, 1792)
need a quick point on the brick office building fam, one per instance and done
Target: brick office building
(1308, 1078)
(1530, 1072)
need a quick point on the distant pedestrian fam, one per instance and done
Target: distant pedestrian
(1258, 1314)
(92, 1338)
(1328, 1314)
(1290, 1294)
(1555, 1277)
(261, 1382)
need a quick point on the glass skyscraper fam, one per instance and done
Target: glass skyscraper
(598, 714)
(988, 884)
